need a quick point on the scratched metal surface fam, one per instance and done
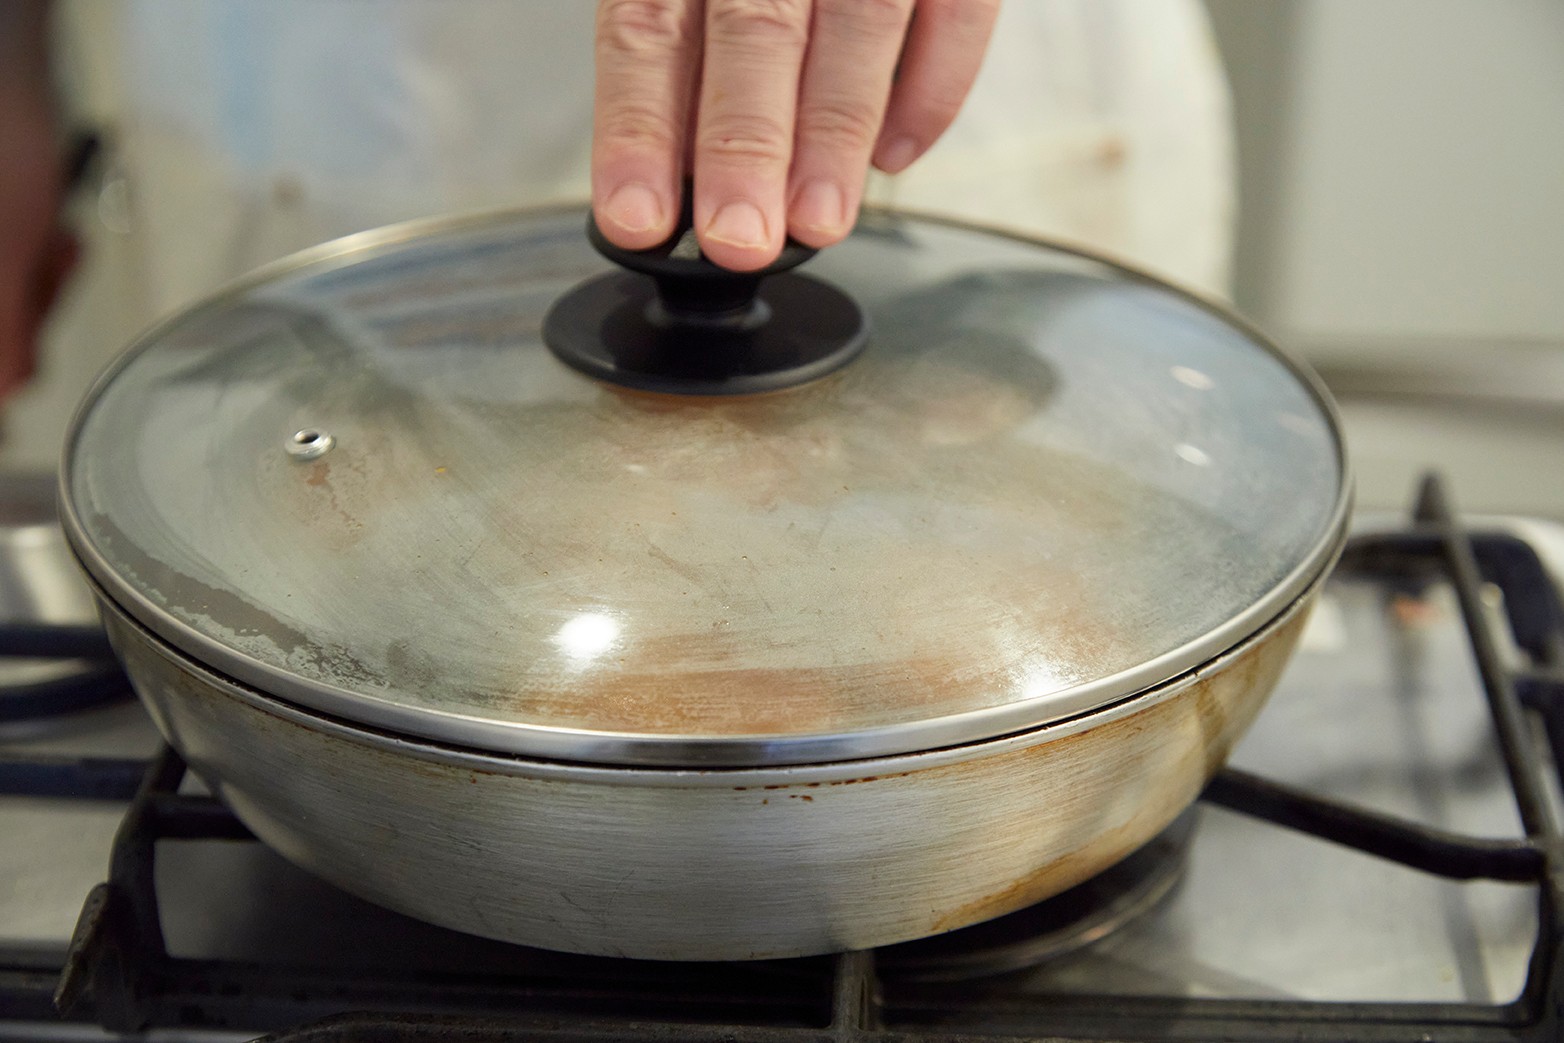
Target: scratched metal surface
(1379, 706)
(735, 864)
(1043, 487)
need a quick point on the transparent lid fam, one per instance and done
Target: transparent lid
(360, 482)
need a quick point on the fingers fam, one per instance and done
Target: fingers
(744, 127)
(648, 54)
(944, 50)
(795, 98)
(853, 51)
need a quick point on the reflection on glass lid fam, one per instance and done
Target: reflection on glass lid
(364, 485)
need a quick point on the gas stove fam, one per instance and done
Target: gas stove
(1381, 860)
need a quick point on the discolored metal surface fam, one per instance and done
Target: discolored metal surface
(730, 864)
(1046, 485)
(1055, 927)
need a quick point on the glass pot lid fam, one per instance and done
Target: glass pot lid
(361, 481)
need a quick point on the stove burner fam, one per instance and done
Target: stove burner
(1055, 927)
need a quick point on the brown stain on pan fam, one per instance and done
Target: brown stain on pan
(319, 477)
(1054, 878)
(1077, 803)
(1150, 752)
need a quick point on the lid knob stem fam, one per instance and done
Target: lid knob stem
(692, 290)
(673, 321)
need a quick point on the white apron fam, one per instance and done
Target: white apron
(248, 130)
(257, 129)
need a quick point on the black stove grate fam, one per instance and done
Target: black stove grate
(119, 973)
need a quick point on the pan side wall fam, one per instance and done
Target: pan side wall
(734, 864)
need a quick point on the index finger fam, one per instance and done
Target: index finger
(647, 57)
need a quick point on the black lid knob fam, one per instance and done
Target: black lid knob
(675, 322)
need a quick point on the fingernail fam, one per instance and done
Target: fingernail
(634, 207)
(738, 224)
(821, 206)
(898, 155)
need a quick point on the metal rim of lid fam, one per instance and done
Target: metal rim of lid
(639, 749)
(437, 751)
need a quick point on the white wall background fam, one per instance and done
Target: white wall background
(1402, 225)
(1404, 166)
(1402, 180)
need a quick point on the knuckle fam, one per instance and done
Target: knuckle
(874, 19)
(963, 17)
(840, 123)
(939, 110)
(749, 141)
(763, 22)
(640, 126)
(642, 27)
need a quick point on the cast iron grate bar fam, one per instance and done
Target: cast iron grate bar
(1520, 758)
(85, 778)
(119, 971)
(1543, 693)
(1431, 850)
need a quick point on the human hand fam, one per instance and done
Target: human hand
(36, 256)
(36, 251)
(777, 108)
